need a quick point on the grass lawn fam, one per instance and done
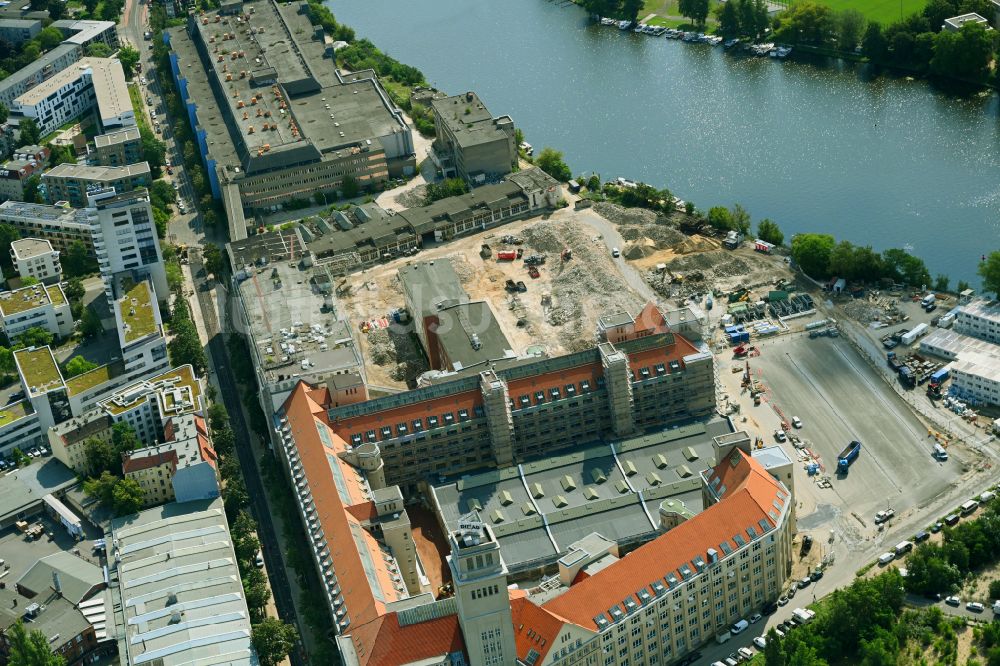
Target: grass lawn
(135, 94)
(880, 11)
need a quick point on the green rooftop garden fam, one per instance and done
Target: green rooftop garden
(22, 300)
(138, 312)
(14, 412)
(56, 295)
(39, 369)
(88, 380)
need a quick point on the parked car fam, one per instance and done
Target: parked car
(816, 575)
(615, 252)
(746, 653)
(884, 516)
(796, 422)
(259, 560)
(804, 583)
(953, 601)
(782, 601)
(780, 435)
(755, 618)
(885, 558)
(760, 642)
(975, 607)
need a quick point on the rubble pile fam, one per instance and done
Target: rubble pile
(380, 346)
(412, 198)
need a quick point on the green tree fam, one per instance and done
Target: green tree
(273, 640)
(90, 6)
(901, 266)
(218, 417)
(245, 542)
(594, 183)
(551, 162)
(57, 9)
(35, 337)
(90, 324)
(161, 194)
(941, 282)
(874, 44)
(748, 18)
(851, 26)
(102, 488)
(31, 648)
(77, 366)
(630, 9)
(101, 457)
(806, 23)
(255, 588)
(769, 231)
(936, 11)
(127, 497)
(28, 132)
(965, 54)
(4, 113)
(123, 438)
(989, 270)
(129, 57)
(33, 190)
(186, 347)
(76, 261)
(774, 655)
(74, 290)
(6, 361)
(729, 19)
(349, 187)
(812, 253)
(740, 218)
(215, 263)
(49, 38)
(101, 50)
(720, 218)
(8, 234)
(224, 441)
(154, 151)
(696, 10)
(450, 187)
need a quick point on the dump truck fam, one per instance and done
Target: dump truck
(848, 456)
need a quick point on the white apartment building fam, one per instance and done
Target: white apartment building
(34, 257)
(975, 376)
(125, 241)
(88, 84)
(19, 427)
(979, 319)
(37, 306)
(148, 404)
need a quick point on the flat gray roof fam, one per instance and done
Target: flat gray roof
(379, 228)
(25, 248)
(455, 209)
(97, 173)
(431, 285)
(46, 61)
(468, 119)
(179, 558)
(613, 488)
(25, 487)
(471, 335)
(77, 577)
(119, 136)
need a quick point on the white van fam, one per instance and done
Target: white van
(987, 496)
(940, 452)
(969, 507)
(927, 300)
(903, 547)
(739, 627)
(885, 558)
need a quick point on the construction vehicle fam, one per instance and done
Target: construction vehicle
(533, 271)
(485, 251)
(535, 259)
(848, 456)
(521, 287)
(510, 286)
(567, 254)
(511, 240)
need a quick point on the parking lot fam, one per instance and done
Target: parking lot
(839, 399)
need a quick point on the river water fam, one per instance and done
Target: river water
(819, 146)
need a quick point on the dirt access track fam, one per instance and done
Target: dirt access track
(558, 312)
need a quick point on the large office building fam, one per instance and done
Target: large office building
(275, 121)
(35, 258)
(74, 182)
(471, 144)
(179, 596)
(90, 83)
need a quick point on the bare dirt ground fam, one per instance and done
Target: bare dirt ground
(558, 312)
(695, 264)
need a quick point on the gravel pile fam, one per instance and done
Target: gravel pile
(382, 351)
(463, 269)
(862, 311)
(625, 216)
(549, 237)
(412, 198)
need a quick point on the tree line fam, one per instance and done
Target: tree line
(625, 10)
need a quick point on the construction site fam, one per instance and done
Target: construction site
(549, 280)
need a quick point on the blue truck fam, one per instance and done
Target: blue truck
(906, 377)
(848, 456)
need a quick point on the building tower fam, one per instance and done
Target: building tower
(618, 381)
(498, 417)
(480, 579)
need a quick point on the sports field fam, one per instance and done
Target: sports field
(882, 11)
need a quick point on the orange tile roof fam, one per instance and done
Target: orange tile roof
(650, 320)
(535, 628)
(134, 464)
(343, 531)
(384, 642)
(750, 500)
(364, 511)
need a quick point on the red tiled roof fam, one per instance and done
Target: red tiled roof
(383, 642)
(305, 419)
(364, 511)
(136, 463)
(535, 628)
(749, 500)
(650, 319)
